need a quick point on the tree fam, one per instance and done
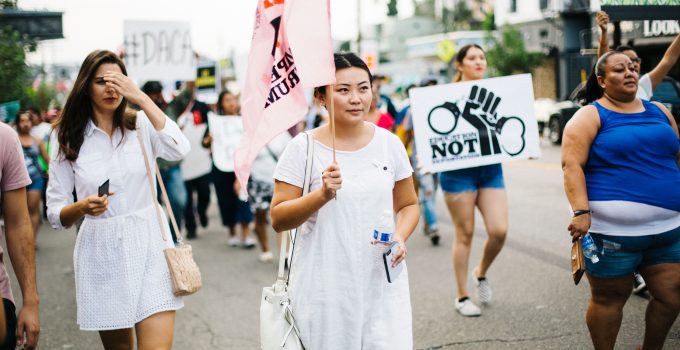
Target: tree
(392, 8)
(8, 4)
(462, 16)
(509, 56)
(14, 72)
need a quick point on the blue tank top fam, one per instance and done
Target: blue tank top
(633, 158)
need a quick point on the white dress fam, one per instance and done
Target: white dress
(120, 271)
(339, 294)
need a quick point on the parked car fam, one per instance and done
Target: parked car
(543, 108)
(667, 92)
(560, 115)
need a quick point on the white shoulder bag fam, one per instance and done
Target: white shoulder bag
(277, 325)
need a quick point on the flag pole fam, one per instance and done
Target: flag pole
(331, 113)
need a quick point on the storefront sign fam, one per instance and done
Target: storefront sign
(622, 10)
(661, 28)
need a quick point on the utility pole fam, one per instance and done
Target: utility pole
(358, 27)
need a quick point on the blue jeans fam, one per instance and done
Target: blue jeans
(620, 256)
(426, 196)
(177, 194)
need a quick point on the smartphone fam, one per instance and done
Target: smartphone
(104, 189)
(392, 272)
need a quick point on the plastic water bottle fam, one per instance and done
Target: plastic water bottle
(382, 236)
(589, 248)
(383, 232)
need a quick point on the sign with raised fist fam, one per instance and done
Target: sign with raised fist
(473, 123)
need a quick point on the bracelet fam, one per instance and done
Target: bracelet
(582, 212)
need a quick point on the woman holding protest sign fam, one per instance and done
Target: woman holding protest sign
(620, 157)
(123, 285)
(232, 209)
(482, 187)
(341, 298)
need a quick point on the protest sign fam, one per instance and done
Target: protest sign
(207, 81)
(474, 123)
(158, 51)
(226, 134)
(197, 162)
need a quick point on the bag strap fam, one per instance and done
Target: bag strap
(290, 234)
(152, 187)
(271, 153)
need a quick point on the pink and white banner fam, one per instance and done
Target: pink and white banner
(291, 50)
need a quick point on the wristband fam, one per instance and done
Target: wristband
(582, 212)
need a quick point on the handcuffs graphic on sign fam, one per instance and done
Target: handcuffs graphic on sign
(487, 123)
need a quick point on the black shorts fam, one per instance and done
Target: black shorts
(11, 319)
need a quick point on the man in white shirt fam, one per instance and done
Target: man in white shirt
(649, 81)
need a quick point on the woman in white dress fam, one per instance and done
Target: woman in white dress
(340, 295)
(123, 285)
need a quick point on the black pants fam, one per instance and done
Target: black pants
(202, 187)
(232, 209)
(11, 319)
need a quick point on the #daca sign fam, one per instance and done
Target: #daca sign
(474, 123)
(159, 51)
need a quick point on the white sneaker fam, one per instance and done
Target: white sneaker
(467, 308)
(484, 294)
(233, 241)
(266, 257)
(249, 243)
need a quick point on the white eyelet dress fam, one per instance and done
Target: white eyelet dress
(121, 274)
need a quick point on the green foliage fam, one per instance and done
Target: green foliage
(509, 56)
(462, 16)
(14, 72)
(8, 4)
(392, 8)
(489, 23)
(43, 98)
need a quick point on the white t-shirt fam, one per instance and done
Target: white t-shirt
(645, 90)
(626, 218)
(385, 151)
(265, 163)
(41, 131)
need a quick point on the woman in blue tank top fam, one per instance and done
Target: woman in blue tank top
(622, 178)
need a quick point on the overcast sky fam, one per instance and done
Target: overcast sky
(218, 26)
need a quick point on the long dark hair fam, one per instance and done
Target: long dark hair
(460, 56)
(592, 90)
(77, 112)
(342, 61)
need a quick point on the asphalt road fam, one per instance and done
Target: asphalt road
(536, 305)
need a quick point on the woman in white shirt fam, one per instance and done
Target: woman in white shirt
(122, 279)
(340, 295)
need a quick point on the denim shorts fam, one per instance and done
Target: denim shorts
(620, 256)
(472, 179)
(37, 185)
